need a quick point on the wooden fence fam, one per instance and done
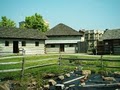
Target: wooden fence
(22, 64)
(101, 61)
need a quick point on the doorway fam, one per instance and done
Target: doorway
(15, 47)
(61, 47)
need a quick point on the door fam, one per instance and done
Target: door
(61, 47)
(15, 47)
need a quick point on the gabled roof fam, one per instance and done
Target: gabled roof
(9, 32)
(111, 34)
(62, 30)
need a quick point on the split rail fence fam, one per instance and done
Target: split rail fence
(101, 62)
(23, 62)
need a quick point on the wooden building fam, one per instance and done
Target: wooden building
(111, 41)
(14, 39)
(100, 48)
(62, 38)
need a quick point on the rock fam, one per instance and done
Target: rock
(60, 87)
(108, 78)
(2, 87)
(34, 83)
(82, 84)
(46, 87)
(49, 75)
(67, 75)
(52, 82)
(61, 77)
(40, 88)
(72, 72)
(82, 80)
(5, 86)
(86, 72)
(76, 69)
(29, 86)
(117, 74)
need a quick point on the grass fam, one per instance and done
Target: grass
(65, 67)
(29, 61)
(92, 64)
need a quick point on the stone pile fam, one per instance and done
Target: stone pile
(116, 74)
(108, 78)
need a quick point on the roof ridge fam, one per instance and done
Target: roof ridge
(62, 29)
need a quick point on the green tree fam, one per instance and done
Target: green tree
(22, 24)
(36, 22)
(5, 22)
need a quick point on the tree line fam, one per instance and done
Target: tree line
(35, 21)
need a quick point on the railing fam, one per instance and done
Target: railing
(101, 62)
(21, 64)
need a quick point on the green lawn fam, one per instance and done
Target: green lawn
(65, 66)
(92, 64)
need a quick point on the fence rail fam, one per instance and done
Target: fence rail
(22, 63)
(19, 69)
(100, 60)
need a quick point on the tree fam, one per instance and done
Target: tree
(5, 22)
(36, 22)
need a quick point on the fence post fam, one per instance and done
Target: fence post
(59, 60)
(23, 63)
(101, 61)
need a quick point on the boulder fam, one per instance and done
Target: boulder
(52, 82)
(86, 72)
(5, 86)
(32, 84)
(60, 87)
(108, 78)
(49, 75)
(67, 75)
(61, 77)
(82, 82)
(116, 74)
(46, 87)
(2, 87)
(40, 88)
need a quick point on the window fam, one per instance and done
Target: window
(52, 45)
(23, 43)
(106, 43)
(71, 45)
(6, 43)
(36, 43)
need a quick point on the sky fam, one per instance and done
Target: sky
(78, 14)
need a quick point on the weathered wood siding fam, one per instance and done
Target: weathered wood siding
(62, 39)
(56, 49)
(50, 49)
(6, 49)
(66, 40)
(70, 49)
(30, 47)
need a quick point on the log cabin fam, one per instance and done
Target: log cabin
(14, 39)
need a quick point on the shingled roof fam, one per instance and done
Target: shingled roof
(62, 30)
(21, 33)
(111, 34)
